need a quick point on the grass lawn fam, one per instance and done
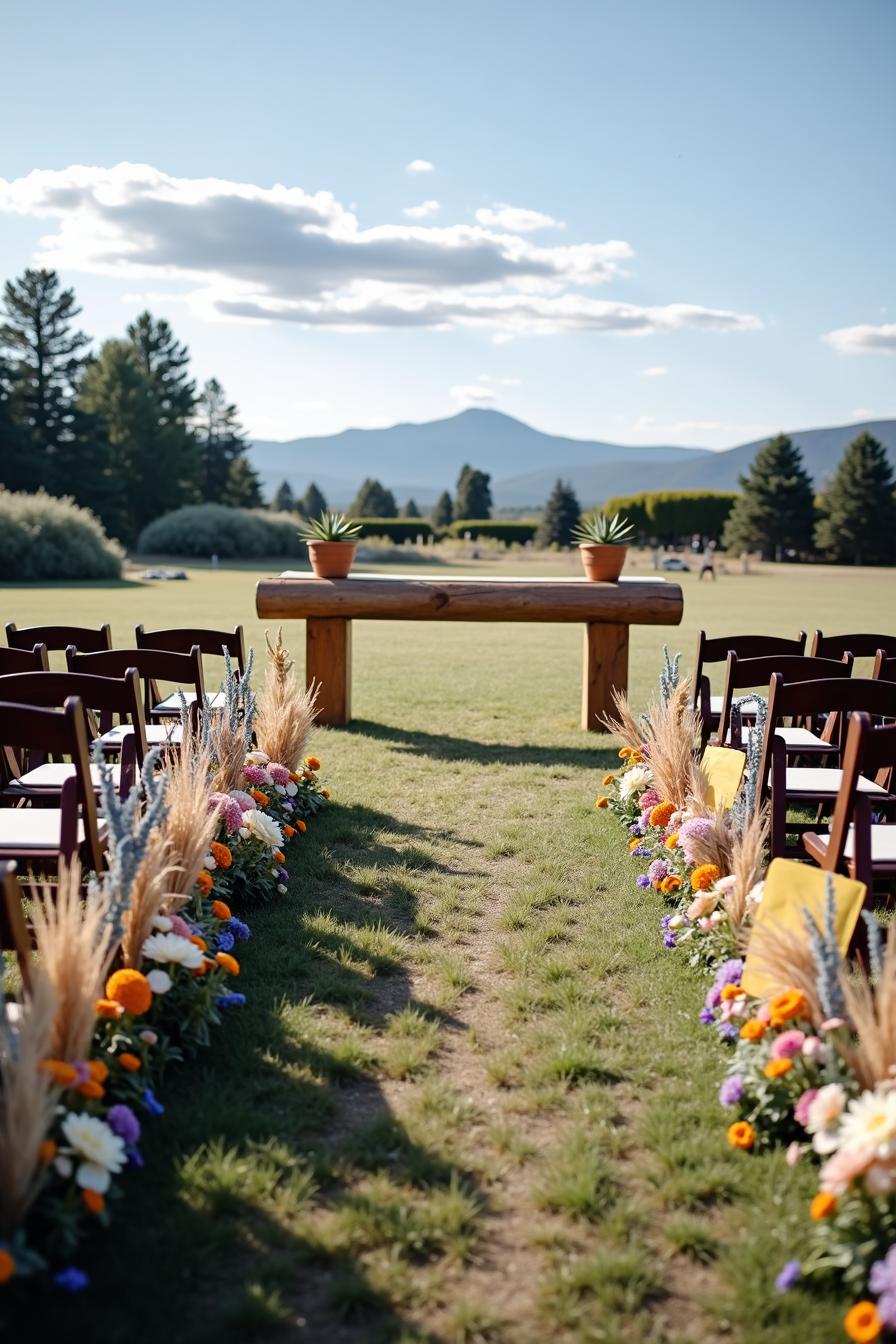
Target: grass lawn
(469, 1098)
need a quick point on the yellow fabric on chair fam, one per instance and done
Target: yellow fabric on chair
(724, 770)
(790, 888)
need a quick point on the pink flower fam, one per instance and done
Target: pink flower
(839, 1172)
(788, 1044)
(793, 1154)
(245, 800)
(702, 905)
(255, 776)
(648, 800)
(279, 774)
(812, 1046)
(705, 925)
(801, 1109)
(229, 810)
(180, 926)
(764, 1013)
(832, 1023)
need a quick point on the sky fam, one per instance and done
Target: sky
(644, 221)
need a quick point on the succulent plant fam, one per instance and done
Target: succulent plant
(598, 529)
(330, 527)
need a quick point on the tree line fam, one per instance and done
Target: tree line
(472, 499)
(124, 431)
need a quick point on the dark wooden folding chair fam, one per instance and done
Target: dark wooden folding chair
(212, 643)
(745, 674)
(153, 666)
(58, 637)
(884, 666)
(860, 646)
(41, 837)
(816, 786)
(23, 660)
(716, 651)
(14, 936)
(109, 701)
(856, 844)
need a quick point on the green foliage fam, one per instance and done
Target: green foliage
(500, 531)
(397, 529)
(284, 500)
(561, 515)
(673, 516)
(858, 523)
(474, 496)
(330, 527)
(373, 500)
(410, 510)
(220, 438)
(166, 361)
(242, 489)
(42, 537)
(312, 504)
(215, 529)
(603, 530)
(443, 511)
(775, 511)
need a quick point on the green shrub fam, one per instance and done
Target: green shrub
(486, 527)
(42, 537)
(215, 529)
(674, 515)
(396, 529)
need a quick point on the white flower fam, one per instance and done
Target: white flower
(824, 1117)
(676, 921)
(149, 1037)
(263, 828)
(869, 1125)
(159, 982)
(635, 780)
(292, 789)
(257, 758)
(162, 923)
(244, 832)
(64, 1166)
(754, 895)
(725, 884)
(171, 947)
(281, 888)
(278, 788)
(102, 1151)
(209, 862)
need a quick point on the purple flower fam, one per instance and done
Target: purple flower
(669, 940)
(640, 853)
(882, 1281)
(728, 1031)
(283, 874)
(789, 1276)
(664, 919)
(658, 870)
(732, 1090)
(225, 941)
(135, 1158)
(707, 1016)
(692, 831)
(151, 1103)
(279, 774)
(636, 829)
(642, 880)
(230, 1000)
(123, 1122)
(71, 1280)
(82, 1073)
(241, 931)
(255, 776)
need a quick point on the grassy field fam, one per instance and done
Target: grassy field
(469, 1099)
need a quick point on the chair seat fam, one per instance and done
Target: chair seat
(28, 829)
(53, 775)
(799, 739)
(157, 735)
(748, 709)
(814, 780)
(172, 703)
(883, 844)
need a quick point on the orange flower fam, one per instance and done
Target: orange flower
(325, 793)
(289, 831)
(200, 942)
(108, 1008)
(602, 801)
(704, 876)
(671, 840)
(229, 963)
(91, 1089)
(862, 1323)
(670, 883)
(732, 992)
(130, 1062)
(62, 1074)
(608, 778)
(279, 856)
(260, 797)
(205, 882)
(221, 854)
(312, 762)
(7, 1266)
(624, 753)
(221, 910)
(822, 1206)
(93, 1201)
(46, 1151)
(306, 774)
(131, 989)
(753, 1030)
(301, 827)
(294, 776)
(98, 1071)
(784, 1007)
(200, 969)
(661, 815)
(776, 1068)
(741, 1134)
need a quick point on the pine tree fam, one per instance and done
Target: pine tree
(284, 500)
(373, 500)
(90, 470)
(858, 523)
(16, 461)
(220, 438)
(561, 514)
(775, 510)
(242, 489)
(443, 511)
(167, 362)
(43, 354)
(312, 504)
(474, 496)
(410, 510)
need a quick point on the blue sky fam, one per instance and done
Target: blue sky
(655, 222)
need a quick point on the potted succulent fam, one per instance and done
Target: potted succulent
(602, 545)
(331, 541)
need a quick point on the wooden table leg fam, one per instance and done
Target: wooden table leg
(604, 669)
(328, 661)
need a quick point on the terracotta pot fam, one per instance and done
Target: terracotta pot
(602, 563)
(331, 559)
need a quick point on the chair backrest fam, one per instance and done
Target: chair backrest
(14, 935)
(153, 666)
(211, 642)
(860, 646)
(744, 673)
(23, 660)
(884, 666)
(869, 751)
(745, 646)
(108, 697)
(58, 637)
(59, 733)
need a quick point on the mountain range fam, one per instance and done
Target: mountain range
(422, 460)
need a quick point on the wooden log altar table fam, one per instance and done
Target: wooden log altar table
(328, 606)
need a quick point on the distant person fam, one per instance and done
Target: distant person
(696, 544)
(745, 562)
(707, 563)
(657, 558)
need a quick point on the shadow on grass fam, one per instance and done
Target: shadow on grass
(448, 747)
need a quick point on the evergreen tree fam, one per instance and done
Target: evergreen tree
(167, 362)
(284, 500)
(443, 511)
(242, 489)
(44, 359)
(312, 504)
(858, 522)
(775, 510)
(410, 510)
(561, 514)
(90, 470)
(16, 460)
(474, 496)
(220, 438)
(373, 500)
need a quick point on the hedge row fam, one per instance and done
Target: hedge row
(397, 529)
(485, 527)
(673, 515)
(215, 529)
(43, 537)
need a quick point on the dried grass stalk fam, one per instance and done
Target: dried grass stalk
(146, 898)
(670, 732)
(624, 726)
(73, 939)
(716, 845)
(227, 748)
(189, 827)
(747, 865)
(285, 714)
(871, 1012)
(786, 960)
(27, 1098)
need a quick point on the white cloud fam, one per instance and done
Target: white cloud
(861, 413)
(645, 424)
(859, 340)
(511, 382)
(419, 166)
(473, 395)
(515, 218)
(238, 251)
(422, 211)
(655, 371)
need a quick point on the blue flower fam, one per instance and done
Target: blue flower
(732, 1090)
(669, 940)
(135, 1157)
(230, 1000)
(642, 881)
(707, 1016)
(71, 1280)
(154, 1106)
(240, 930)
(123, 1122)
(789, 1276)
(225, 941)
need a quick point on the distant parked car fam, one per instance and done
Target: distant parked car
(675, 562)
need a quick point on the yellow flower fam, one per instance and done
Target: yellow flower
(704, 876)
(753, 1030)
(670, 883)
(624, 753)
(608, 778)
(784, 1007)
(671, 840)
(732, 992)
(312, 762)
(741, 1134)
(661, 814)
(776, 1068)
